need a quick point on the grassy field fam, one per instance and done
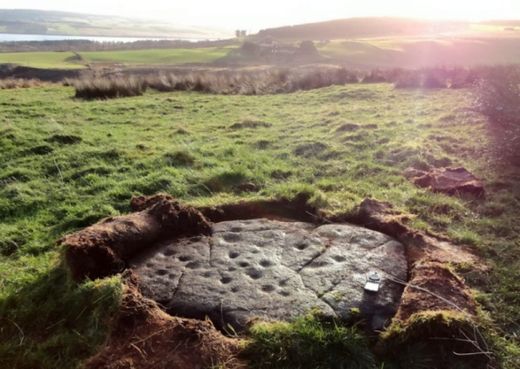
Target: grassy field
(417, 52)
(67, 163)
(41, 59)
(157, 56)
(129, 57)
(388, 52)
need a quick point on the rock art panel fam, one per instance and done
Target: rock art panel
(277, 270)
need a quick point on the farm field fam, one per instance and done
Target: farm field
(68, 60)
(68, 163)
(40, 59)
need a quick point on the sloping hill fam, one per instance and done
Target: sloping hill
(362, 27)
(75, 24)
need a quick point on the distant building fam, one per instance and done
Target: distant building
(239, 33)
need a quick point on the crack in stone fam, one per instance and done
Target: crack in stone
(178, 284)
(322, 294)
(323, 251)
(317, 296)
(256, 309)
(211, 244)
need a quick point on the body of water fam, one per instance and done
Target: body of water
(12, 37)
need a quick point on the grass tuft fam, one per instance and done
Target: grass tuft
(180, 158)
(308, 342)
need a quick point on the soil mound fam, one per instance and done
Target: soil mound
(104, 248)
(145, 337)
(433, 287)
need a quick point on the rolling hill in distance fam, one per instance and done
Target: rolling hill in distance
(389, 42)
(363, 27)
(385, 26)
(21, 21)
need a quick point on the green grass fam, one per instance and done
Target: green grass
(67, 163)
(129, 57)
(308, 343)
(157, 56)
(40, 59)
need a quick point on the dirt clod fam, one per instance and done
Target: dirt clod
(451, 181)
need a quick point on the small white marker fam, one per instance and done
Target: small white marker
(373, 282)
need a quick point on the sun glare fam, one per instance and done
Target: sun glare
(452, 10)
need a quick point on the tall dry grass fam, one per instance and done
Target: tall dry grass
(267, 81)
(12, 83)
(108, 88)
(252, 82)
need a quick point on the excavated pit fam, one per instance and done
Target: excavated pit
(267, 259)
(273, 270)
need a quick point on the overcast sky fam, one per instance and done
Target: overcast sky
(254, 15)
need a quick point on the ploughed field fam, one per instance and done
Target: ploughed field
(68, 163)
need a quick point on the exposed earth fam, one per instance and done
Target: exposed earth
(274, 270)
(451, 181)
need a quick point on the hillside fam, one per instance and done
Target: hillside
(382, 27)
(387, 42)
(75, 24)
(362, 27)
